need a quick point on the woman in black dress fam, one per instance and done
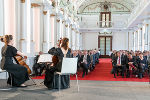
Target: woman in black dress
(19, 73)
(62, 51)
(142, 65)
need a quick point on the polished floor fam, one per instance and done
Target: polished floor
(89, 90)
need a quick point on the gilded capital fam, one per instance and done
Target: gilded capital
(58, 20)
(52, 15)
(44, 12)
(34, 5)
(22, 1)
(66, 25)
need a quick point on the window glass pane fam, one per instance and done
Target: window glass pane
(102, 45)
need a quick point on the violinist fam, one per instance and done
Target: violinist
(61, 52)
(19, 73)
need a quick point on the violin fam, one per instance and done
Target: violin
(55, 60)
(21, 61)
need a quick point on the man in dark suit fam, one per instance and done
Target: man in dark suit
(38, 67)
(88, 59)
(112, 56)
(119, 63)
(83, 63)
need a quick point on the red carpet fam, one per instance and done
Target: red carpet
(102, 73)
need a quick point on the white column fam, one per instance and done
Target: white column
(128, 42)
(55, 37)
(146, 35)
(131, 40)
(148, 28)
(46, 31)
(23, 27)
(66, 30)
(70, 36)
(140, 37)
(63, 31)
(59, 28)
(78, 41)
(50, 29)
(1, 22)
(1, 19)
(134, 40)
(143, 40)
(137, 40)
(53, 29)
(146, 38)
(32, 44)
(73, 39)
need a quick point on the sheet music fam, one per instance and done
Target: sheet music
(69, 65)
(44, 58)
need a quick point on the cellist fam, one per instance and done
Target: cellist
(19, 73)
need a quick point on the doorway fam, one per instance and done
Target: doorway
(105, 44)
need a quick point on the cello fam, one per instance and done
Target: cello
(21, 61)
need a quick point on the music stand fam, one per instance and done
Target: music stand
(45, 59)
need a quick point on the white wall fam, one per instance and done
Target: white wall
(131, 39)
(90, 41)
(92, 21)
(89, 21)
(119, 20)
(1, 23)
(2, 75)
(119, 41)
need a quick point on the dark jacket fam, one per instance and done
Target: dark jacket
(123, 61)
(58, 52)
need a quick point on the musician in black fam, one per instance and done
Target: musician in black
(38, 67)
(61, 52)
(19, 73)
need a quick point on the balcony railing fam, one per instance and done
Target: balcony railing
(103, 24)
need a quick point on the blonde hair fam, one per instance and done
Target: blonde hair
(7, 39)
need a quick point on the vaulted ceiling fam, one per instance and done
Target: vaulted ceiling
(82, 4)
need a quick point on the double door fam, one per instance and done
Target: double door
(105, 44)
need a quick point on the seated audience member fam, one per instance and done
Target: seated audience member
(97, 57)
(131, 65)
(112, 56)
(94, 58)
(119, 63)
(79, 61)
(38, 67)
(148, 60)
(142, 65)
(89, 61)
(83, 63)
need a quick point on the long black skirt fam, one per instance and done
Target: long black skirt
(19, 74)
(51, 81)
